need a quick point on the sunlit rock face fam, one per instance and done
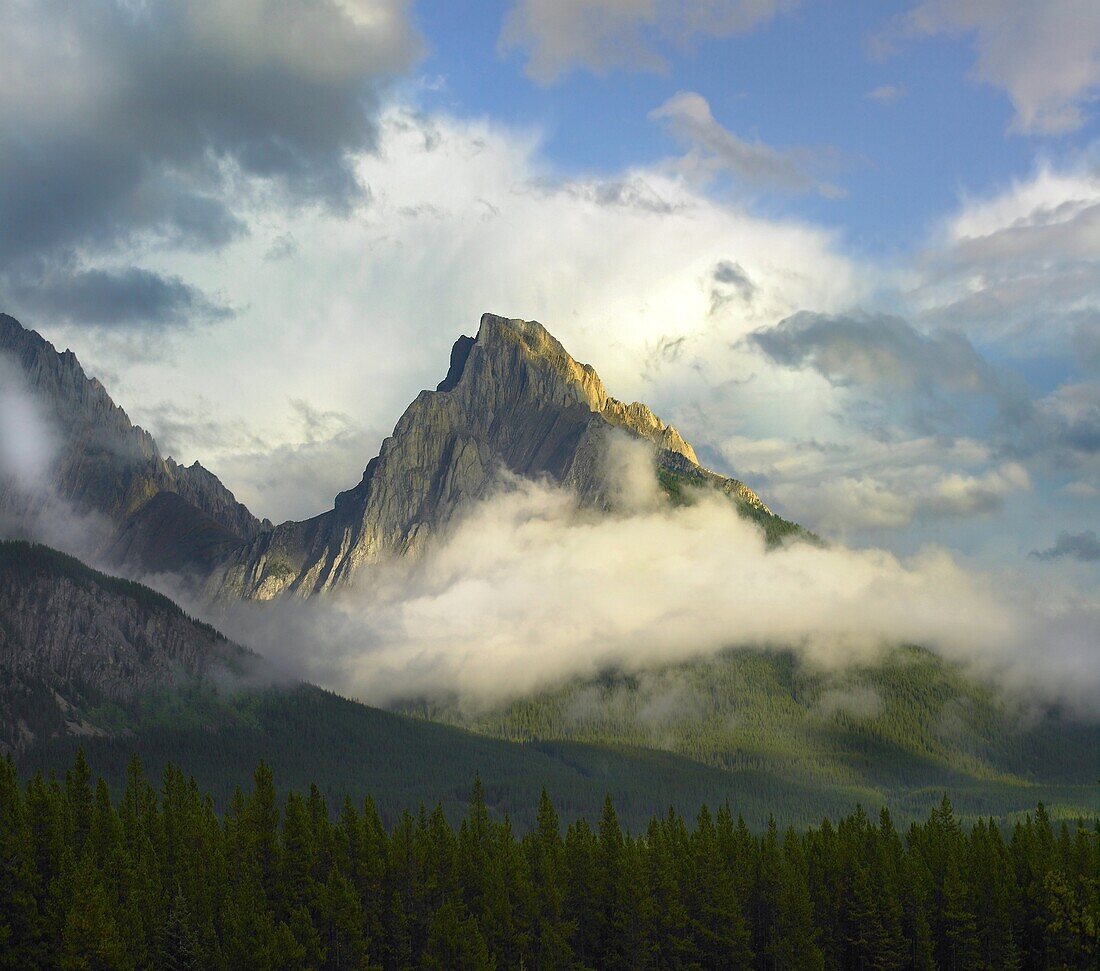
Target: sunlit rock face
(513, 401)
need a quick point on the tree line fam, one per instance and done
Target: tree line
(159, 879)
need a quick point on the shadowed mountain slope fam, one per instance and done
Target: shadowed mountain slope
(107, 469)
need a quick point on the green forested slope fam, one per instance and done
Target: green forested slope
(309, 735)
(906, 723)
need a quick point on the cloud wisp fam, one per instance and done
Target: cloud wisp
(713, 149)
(603, 35)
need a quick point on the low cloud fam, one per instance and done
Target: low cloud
(529, 591)
(1076, 546)
(27, 444)
(853, 701)
(30, 507)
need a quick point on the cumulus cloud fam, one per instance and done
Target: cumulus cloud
(729, 281)
(939, 382)
(363, 313)
(1045, 56)
(896, 496)
(601, 35)
(1020, 266)
(713, 149)
(1078, 546)
(125, 123)
(530, 591)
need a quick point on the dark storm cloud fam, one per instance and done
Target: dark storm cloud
(120, 118)
(114, 298)
(1077, 546)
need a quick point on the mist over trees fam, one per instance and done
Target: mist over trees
(157, 878)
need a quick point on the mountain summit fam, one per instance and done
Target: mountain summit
(512, 399)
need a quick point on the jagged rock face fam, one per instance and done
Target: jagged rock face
(70, 636)
(513, 399)
(106, 466)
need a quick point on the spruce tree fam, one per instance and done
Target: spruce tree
(90, 939)
(550, 929)
(21, 927)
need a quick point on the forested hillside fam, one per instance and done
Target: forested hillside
(902, 724)
(159, 879)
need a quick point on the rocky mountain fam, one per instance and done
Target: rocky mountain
(512, 399)
(108, 469)
(73, 639)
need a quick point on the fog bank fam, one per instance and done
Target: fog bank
(529, 590)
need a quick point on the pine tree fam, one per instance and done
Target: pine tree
(341, 923)
(765, 893)
(78, 797)
(456, 944)
(959, 947)
(90, 939)
(795, 947)
(177, 948)
(607, 902)
(550, 930)
(674, 943)
(580, 862)
(261, 823)
(21, 927)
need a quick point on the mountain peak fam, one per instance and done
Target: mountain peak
(513, 399)
(541, 346)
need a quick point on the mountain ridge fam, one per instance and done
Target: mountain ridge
(106, 466)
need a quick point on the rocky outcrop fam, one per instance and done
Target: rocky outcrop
(512, 399)
(72, 638)
(105, 466)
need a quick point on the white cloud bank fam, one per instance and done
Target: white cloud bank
(529, 591)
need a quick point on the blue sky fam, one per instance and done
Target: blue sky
(804, 79)
(852, 250)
